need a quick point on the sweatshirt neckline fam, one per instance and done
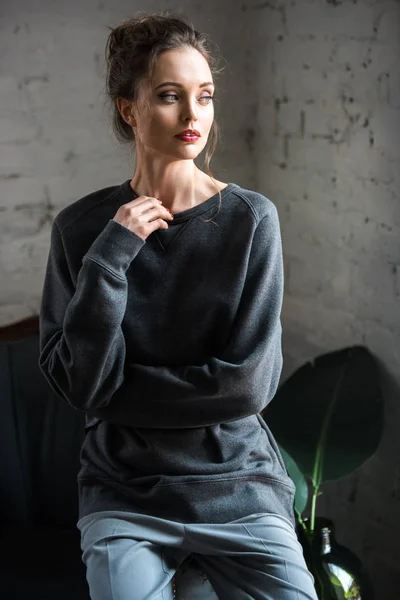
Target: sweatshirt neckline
(129, 194)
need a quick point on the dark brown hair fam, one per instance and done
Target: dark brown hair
(131, 52)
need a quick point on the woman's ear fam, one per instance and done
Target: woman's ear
(126, 111)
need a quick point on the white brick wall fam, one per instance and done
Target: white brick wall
(328, 155)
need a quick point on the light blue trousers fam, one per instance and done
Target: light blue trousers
(129, 556)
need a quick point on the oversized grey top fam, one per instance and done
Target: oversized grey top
(172, 347)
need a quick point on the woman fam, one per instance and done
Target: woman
(160, 319)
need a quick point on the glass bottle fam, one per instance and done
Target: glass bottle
(338, 572)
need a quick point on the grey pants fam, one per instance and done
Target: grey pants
(129, 556)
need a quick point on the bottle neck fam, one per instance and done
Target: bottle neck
(325, 540)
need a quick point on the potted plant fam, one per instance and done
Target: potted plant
(336, 420)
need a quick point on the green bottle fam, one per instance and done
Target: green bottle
(338, 572)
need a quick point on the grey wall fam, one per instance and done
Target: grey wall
(309, 105)
(328, 149)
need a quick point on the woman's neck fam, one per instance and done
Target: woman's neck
(177, 193)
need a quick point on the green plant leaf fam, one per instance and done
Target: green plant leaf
(328, 416)
(301, 495)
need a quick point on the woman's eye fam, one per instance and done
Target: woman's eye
(175, 96)
(169, 96)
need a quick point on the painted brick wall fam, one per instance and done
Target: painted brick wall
(328, 150)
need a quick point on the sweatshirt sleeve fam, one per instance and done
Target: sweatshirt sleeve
(82, 347)
(238, 383)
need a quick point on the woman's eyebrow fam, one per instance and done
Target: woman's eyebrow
(180, 85)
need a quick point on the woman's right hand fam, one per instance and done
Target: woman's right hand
(143, 215)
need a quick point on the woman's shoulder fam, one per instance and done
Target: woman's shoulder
(85, 207)
(258, 203)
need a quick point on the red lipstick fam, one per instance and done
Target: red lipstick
(189, 135)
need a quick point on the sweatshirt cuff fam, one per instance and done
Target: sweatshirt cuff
(115, 247)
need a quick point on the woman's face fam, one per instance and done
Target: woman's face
(163, 111)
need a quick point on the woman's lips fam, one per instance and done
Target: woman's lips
(188, 138)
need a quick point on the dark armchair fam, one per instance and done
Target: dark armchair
(40, 439)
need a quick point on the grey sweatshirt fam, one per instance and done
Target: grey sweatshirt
(172, 347)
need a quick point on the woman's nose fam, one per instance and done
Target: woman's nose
(190, 110)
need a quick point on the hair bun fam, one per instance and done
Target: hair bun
(121, 37)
